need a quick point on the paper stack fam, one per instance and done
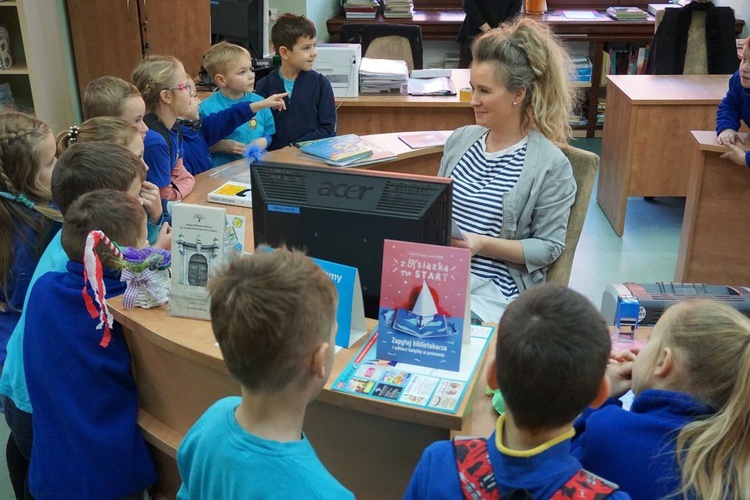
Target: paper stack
(383, 75)
(361, 9)
(627, 13)
(398, 9)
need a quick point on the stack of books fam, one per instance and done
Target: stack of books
(383, 76)
(398, 9)
(361, 9)
(627, 13)
(345, 151)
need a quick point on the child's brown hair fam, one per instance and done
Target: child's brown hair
(117, 214)
(104, 96)
(94, 165)
(268, 311)
(289, 28)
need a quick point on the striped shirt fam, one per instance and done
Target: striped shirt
(480, 180)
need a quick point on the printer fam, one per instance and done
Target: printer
(654, 298)
(340, 63)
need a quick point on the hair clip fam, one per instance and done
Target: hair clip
(20, 198)
(73, 134)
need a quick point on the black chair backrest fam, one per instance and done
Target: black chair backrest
(364, 34)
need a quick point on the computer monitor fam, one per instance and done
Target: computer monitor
(343, 215)
(241, 21)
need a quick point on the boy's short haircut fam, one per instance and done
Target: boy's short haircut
(105, 96)
(268, 312)
(289, 28)
(218, 57)
(553, 347)
(117, 214)
(93, 165)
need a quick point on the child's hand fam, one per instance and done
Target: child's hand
(164, 238)
(729, 136)
(620, 373)
(260, 142)
(735, 153)
(275, 101)
(151, 200)
(228, 146)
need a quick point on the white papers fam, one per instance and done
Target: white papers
(431, 86)
(456, 231)
(579, 14)
(383, 75)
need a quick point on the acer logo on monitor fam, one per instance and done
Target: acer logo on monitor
(343, 190)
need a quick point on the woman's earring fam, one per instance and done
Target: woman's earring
(514, 103)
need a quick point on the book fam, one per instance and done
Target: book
(232, 193)
(627, 13)
(417, 140)
(424, 313)
(378, 155)
(338, 148)
(406, 384)
(199, 234)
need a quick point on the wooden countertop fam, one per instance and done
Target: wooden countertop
(672, 89)
(706, 141)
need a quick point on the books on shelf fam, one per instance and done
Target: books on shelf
(398, 9)
(232, 193)
(418, 140)
(627, 13)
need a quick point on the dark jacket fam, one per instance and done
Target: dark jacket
(492, 12)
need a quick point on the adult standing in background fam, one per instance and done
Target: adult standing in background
(482, 16)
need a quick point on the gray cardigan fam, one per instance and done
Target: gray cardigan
(540, 200)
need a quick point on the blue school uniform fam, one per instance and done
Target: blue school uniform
(734, 107)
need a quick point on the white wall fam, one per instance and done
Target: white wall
(741, 10)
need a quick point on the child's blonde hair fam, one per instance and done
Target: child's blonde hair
(220, 55)
(105, 96)
(528, 55)
(99, 129)
(713, 341)
(154, 74)
(21, 137)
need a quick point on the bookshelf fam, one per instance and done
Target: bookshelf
(39, 77)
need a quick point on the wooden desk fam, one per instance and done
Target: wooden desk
(377, 114)
(715, 239)
(647, 146)
(372, 447)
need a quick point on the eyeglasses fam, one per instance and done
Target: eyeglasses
(187, 87)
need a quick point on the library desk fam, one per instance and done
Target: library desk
(646, 145)
(371, 446)
(715, 239)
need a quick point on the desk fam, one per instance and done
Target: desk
(376, 114)
(715, 239)
(647, 146)
(372, 447)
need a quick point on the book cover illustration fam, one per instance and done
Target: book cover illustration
(424, 304)
(234, 237)
(338, 148)
(198, 251)
(232, 193)
(412, 385)
(418, 140)
(377, 155)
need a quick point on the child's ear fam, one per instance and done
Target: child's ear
(602, 394)
(165, 96)
(491, 374)
(283, 52)
(220, 80)
(664, 362)
(318, 364)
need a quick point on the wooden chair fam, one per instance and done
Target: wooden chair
(387, 41)
(585, 165)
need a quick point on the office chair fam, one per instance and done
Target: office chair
(693, 40)
(387, 41)
(585, 165)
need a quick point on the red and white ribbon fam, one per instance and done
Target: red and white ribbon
(92, 266)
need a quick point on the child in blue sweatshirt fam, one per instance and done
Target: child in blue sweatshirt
(685, 435)
(87, 443)
(735, 107)
(550, 361)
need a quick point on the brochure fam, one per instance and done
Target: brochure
(418, 140)
(412, 385)
(339, 148)
(232, 193)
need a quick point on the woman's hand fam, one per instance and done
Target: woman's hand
(473, 242)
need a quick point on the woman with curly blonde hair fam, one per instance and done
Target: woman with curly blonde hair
(512, 185)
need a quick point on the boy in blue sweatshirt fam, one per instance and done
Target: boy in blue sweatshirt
(231, 68)
(274, 317)
(552, 350)
(87, 443)
(735, 107)
(311, 109)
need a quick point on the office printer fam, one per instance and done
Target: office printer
(340, 63)
(654, 298)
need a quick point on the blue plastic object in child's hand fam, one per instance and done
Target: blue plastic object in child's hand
(254, 153)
